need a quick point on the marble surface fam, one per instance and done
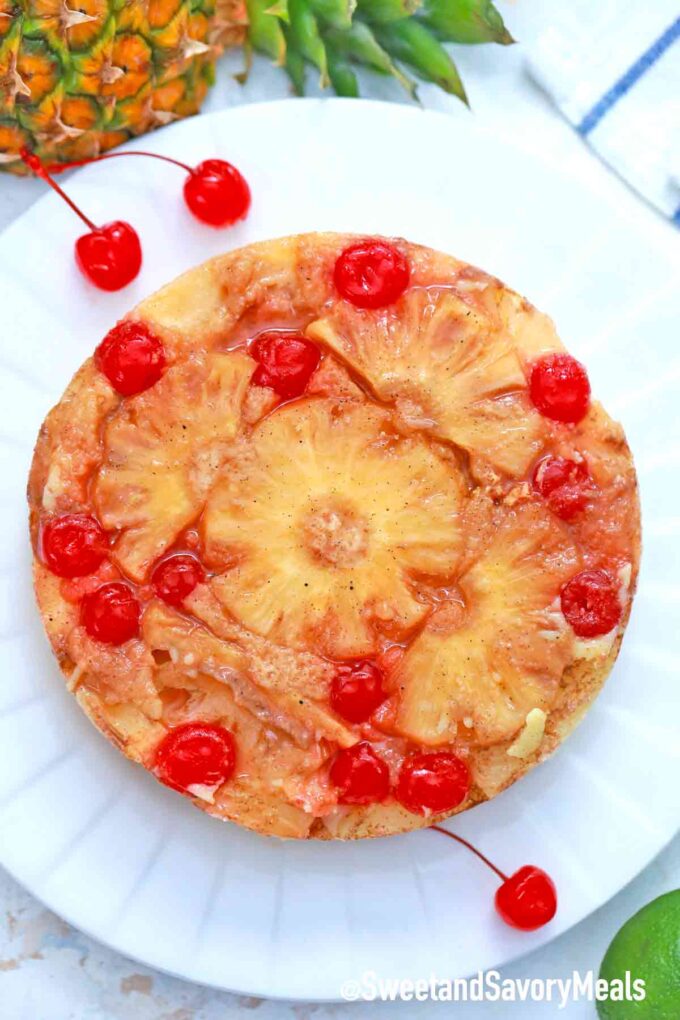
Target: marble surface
(48, 970)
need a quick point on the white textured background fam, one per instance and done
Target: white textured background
(48, 970)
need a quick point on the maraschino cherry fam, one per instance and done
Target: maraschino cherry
(195, 754)
(526, 899)
(590, 603)
(175, 578)
(361, 777)
(73, 545)
(371, 274)
(356, 690)
(109, 256)
(215, 191)
(287, 360)
(432, 781)
(564, 485)
(111, 613)
(131, 357)
(559, 388)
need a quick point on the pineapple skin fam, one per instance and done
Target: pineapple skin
(77, 81)
(132, 697)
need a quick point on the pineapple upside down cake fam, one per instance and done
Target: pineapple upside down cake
(330, 537)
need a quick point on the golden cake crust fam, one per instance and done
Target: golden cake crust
(231, 658)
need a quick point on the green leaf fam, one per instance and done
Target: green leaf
(265, 32)
(295, 69)
(466, 21)
(383, 11)
(413, 44)
(343, 78)
(280, 10)
(359, 44)
(335, 13)
(305, 38)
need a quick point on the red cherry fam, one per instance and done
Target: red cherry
(432, 782)
(110, 256)
(559, 387)
(175, 578)
(217, 193)
(527, 899)
(131, 357)
(360, 775)
(195, 753)
(287, 361)
(73, 545)
(590, 603)
(371, 274)
(563, 484)
(111, 613)
(356, 690)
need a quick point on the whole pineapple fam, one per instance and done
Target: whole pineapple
(78, 77)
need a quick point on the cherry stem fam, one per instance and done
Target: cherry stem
(56, 167)
(459, 839)
(33, 161)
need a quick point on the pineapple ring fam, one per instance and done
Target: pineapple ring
(323, 554)
(389, 513)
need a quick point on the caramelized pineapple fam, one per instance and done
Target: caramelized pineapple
(452, 367)
(320, 524)
(271, 696)
(479, 672)
(164, 449)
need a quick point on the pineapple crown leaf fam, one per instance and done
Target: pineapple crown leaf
(360, 45)
(305, 36)
(334, 13)
(469, 22)
(279, 9)
(385, 11)
(295, 68)
(266, 32)
(412, 43)
(343, 78)
(383, 36)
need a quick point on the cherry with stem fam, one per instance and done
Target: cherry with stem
(527, 899)
(215, 191)
(109, 256)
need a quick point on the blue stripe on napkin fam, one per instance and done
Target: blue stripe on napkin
(626, 82)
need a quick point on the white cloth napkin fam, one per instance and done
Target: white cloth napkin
(613, 69)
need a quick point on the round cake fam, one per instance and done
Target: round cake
(330, 536)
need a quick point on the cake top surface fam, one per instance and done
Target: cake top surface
(330, 535)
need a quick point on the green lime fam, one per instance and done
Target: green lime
(647, 948)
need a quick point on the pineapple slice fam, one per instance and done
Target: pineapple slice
(451, 366)
(321, 522)
(164, 448)
(270, 696)
(479, 673)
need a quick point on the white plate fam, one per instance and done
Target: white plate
(135, 865)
